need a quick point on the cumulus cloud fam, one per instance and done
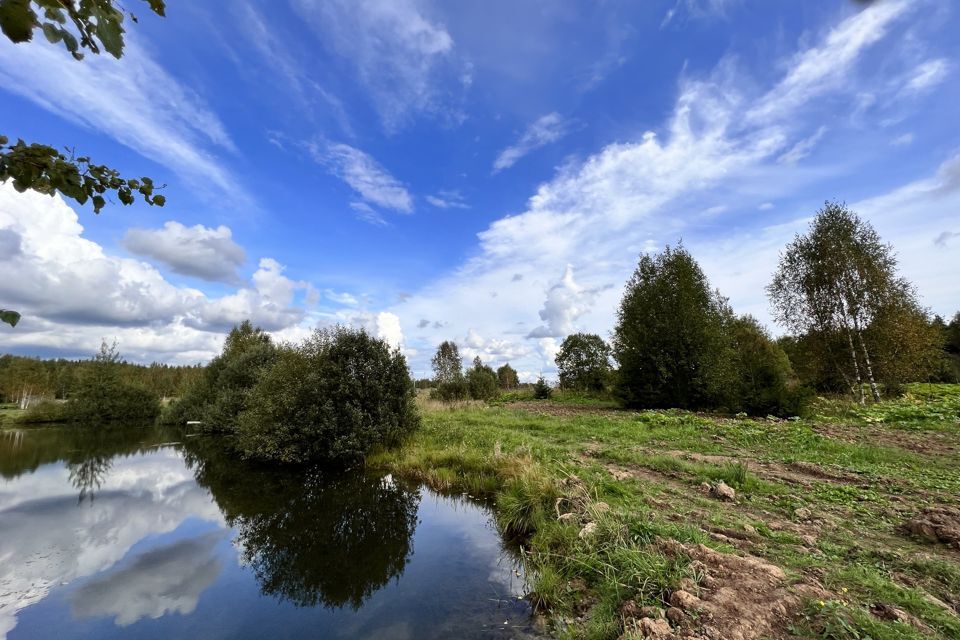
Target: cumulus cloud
(367, 177)
(398, 52)
(135, 102)
(566, 302)
(73, 293)
(166, 580)
(541, 132)
(198, 251)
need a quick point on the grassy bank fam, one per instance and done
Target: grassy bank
(621, 516)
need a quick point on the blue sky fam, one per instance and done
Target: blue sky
(482, 172)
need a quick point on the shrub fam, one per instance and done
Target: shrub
(452, 391)
(46, 411)
(102, 396)
(333, 398)
(481, 381)
(542, 390)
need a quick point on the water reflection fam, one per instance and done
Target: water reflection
(310, 537)
(154, 533)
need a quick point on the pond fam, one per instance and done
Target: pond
(153, 533)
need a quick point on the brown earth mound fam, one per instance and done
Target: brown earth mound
(936, 524)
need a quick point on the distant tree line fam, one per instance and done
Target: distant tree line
(22, 377)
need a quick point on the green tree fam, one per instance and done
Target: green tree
(839, 279)
(671, 340)
(217, 399)
(448, 373)
(507, 377)
(542, 390)
(91, 25)
(103, 397)
(767, 384)
(583, 362)
(332, 398)
(481, 380)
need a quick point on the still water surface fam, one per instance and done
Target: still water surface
(156, 534)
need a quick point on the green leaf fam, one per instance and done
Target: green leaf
(53, 33)
(17, 20)
(110, 32)
(159, 200)
(10, 317)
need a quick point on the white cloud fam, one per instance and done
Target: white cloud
(198, 251)
(824, 68)
(697, 9)
(395, 48)
(926, 75)
(73, 293)
(541, 132)
(566, 302)
(133, 100)
(644, 193)
(802, 148)
(364, 175)
(447, 200)
(341, 298)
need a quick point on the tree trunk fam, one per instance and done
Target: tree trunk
(856, 369)
(866, 360)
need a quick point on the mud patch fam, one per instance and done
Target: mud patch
(546, 408)
(739, 597)
(936, 524)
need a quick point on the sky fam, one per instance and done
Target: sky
(487, 173)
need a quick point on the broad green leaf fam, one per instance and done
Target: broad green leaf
(17, 20)
(10, 317)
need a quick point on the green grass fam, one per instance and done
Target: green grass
(624, 483)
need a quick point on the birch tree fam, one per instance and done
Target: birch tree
(837, 280)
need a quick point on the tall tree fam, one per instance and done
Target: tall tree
(93, 26)
(670, 340)
(447, 364)
(448, 373)
(837, 280)
(583, 362)
(507, 377)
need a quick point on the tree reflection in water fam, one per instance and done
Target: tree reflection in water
(87, 475)
(311, 537)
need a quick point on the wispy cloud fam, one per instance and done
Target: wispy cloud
(132, 100)
(824, 67)
(447, 200)
(926, 75)
(541, 132)
(395, 48)
(696, 9)
(367, 177)
(802, 148)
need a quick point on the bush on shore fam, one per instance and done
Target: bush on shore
(333, 398)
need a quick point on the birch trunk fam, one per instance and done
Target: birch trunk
(866, 361)
(856, 369)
